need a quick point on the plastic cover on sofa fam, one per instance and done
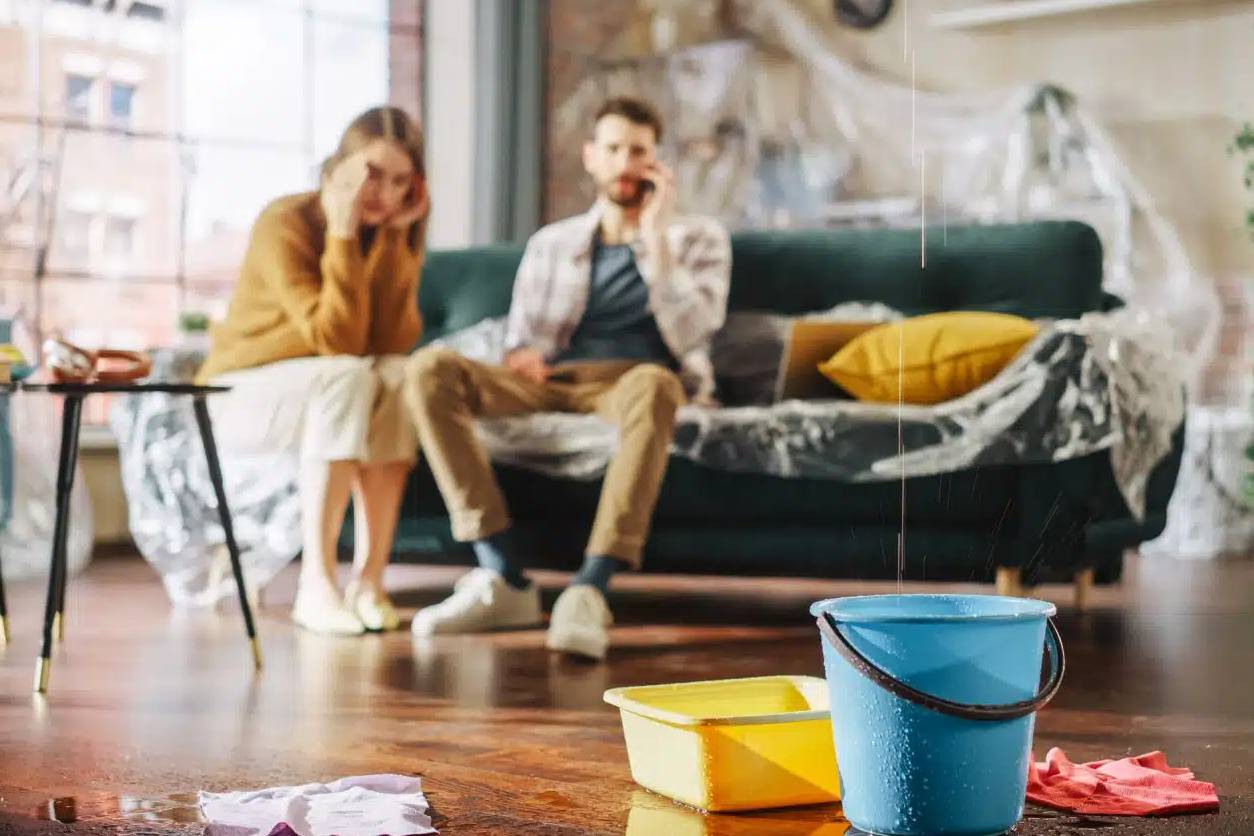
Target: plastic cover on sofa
(30, 444)
(1103, 382)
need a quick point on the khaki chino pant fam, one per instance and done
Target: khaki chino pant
(445, 392)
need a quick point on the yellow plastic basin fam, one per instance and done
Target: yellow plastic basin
(732, 744)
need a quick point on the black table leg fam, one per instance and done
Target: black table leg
(6, 452)
(71, 413)
(224, 513)
(4, 611)
(63, 578)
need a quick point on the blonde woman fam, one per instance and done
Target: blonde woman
(313, 346)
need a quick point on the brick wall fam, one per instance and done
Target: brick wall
(405, 56)
(578, 31)
(1228, 379)
(586, 37)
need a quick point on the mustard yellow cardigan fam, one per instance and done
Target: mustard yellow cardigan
(301, 294)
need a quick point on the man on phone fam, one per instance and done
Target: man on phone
(613, 313)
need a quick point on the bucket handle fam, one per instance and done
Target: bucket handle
(1010, 711)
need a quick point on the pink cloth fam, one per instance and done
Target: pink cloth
(1141, 786)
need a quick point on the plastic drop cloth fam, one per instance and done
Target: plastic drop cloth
(1103, 382)
(173, 513)
(1210, 514)
(30, 443)
(774, 128)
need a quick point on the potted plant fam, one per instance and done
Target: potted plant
(1243, 145)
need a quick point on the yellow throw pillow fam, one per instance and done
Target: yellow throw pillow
(928, 359)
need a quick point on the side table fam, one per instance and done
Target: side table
(73, 395)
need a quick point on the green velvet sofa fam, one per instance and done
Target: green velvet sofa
(1052, 520)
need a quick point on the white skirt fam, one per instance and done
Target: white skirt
(336, 408)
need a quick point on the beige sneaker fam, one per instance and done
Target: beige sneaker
(580, 623)
(322, 614)
(481, 600)
(374, 608)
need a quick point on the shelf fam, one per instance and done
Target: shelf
(1009, 11)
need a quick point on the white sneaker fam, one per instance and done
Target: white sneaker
(320, 614)
(372, 607)
(481, 600)
(580, 622)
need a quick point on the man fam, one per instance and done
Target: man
(613, 312)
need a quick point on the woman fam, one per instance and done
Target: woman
(313, 349)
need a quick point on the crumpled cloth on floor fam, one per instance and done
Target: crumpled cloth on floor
(1139, 786)
(364, 805)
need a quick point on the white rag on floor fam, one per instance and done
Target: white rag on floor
(365, 805)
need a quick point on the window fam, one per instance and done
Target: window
(75, 234)
(147, 11)
(121, 104)
(240, 101)
(78, 97)
(119, 238)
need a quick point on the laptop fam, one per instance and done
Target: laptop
(811, 342)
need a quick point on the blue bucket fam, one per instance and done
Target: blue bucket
(933, 700)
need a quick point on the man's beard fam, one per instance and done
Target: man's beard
(631, 200)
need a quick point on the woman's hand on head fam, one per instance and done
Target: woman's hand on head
(341, 195)
(416, 208)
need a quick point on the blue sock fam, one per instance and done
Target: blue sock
(498, 553)
(596, 571)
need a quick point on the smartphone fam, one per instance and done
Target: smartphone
(647, 184)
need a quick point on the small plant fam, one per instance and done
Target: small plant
(193, 322)
(1243, 144)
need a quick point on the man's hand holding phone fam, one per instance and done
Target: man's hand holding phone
(659, 203)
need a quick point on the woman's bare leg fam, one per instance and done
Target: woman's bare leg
(377, 492)
(324, 491)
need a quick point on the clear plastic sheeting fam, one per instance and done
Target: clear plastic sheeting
(1101, 383)
(748, 350)
(30, 443)
(1081, 386)
(1210, 514)
(776, 129)
(173, 513)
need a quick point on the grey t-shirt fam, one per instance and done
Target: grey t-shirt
(617, 323)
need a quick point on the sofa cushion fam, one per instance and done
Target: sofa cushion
(928, 359)
(462, 287)
(1039, 269)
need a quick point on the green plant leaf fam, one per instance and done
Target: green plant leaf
(1245, 139)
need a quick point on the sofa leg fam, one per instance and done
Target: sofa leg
(1009, 581)
(1083, 587)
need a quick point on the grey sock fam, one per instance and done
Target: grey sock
(597, 570)
(499, 554)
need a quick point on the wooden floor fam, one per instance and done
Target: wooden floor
(148, 704)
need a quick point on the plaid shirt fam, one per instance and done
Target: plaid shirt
(689, 304)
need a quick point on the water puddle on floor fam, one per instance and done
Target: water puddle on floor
(651, 815)
(176, 808)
